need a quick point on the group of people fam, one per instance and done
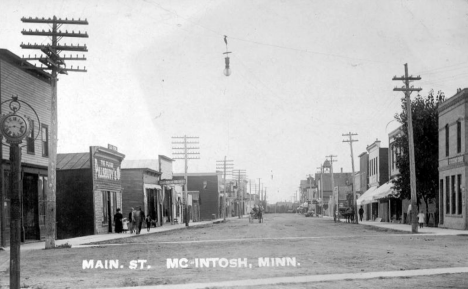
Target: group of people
(421, 216)
(133, 223)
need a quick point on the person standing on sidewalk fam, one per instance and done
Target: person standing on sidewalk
(409, 214)
(148, 222)
(421, 219)
(118, 222)
(138, 217)
(361, 213)
(131, 228)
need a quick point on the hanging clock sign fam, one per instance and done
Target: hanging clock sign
(15, 128)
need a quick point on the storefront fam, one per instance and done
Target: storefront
(140, 185)
(33, 87)
(89, 191)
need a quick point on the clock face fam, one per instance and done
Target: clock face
(14, 126)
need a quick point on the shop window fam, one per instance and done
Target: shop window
(459, 195)
(453, 200)
(105, 212)
(447, 195)
(45, 140)
(30, 140)
(447, 140)
(114, 201)
(458, 137)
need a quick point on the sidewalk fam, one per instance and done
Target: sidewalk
(407, 228)
(424, 230)
(80, 241)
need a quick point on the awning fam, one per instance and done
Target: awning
(384, 191)
(152, 186)
(367, 197)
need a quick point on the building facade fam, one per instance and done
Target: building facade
(207, 184)
(33, 87)
(140, 183)
(89, 191)
(377, 175)
(453, 162)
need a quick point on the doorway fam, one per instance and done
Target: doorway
(30, 211)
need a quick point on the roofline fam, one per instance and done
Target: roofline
(17, 61)
(196, 174)
(447, 103)
(143, 168)
(395, 131)
(99, 149)
(364, 153)
(166, 158)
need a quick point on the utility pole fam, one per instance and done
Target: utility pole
(54, 62)
(240, 173)
(407, 90)
(351, 140)
(227, 165)
(185, 151)
(335, 210)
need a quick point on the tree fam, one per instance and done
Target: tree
(426, 148)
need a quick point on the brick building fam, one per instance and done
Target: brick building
(453, 162)
(377, 175)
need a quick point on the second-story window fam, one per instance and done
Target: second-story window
(446, 140)
(45, 140)
(30, 140)
(458, 137)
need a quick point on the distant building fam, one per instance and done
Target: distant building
(207, 184)
(377, 173)
(342, 180)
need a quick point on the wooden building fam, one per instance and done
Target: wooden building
(89, 191)
(33, 87)
(140, 184)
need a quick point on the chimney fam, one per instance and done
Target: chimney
(341, 170)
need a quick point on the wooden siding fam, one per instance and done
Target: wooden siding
(34, 91)
(132, 185)
(74, 195)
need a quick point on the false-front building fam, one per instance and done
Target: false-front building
(89, 191)
(17, 78)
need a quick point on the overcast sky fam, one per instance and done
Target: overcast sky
(303, 74)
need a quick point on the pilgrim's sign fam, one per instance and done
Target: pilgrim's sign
(106, 170)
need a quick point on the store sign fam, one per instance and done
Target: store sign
(106, 170)
(455, 160)
(172, 182)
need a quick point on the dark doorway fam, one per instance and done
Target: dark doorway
(30, 207)
(151, 201)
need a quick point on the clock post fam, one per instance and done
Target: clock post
(15, 128)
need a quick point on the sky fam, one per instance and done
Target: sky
(303, 74)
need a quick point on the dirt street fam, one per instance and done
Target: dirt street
(291, 245)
